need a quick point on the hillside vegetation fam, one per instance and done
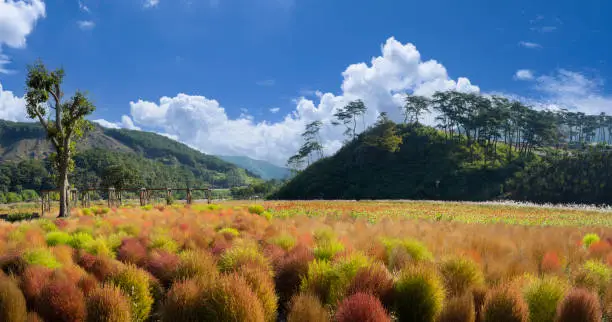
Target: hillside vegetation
(121, 158)
(263, 169)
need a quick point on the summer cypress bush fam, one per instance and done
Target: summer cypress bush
(543, 297)
(256, 209)
(132, 251)
(589, 239)
(182, 301)
(419, 294)
(42, 257)
(285, 241)
(416, 250)
(263, 286)
(289, 271)
(60, 300)
(33, 279)
(12, 302)
(579, 305)
(460, 275)
(306, 307)
(196, 263)
(376, 280)
(134, 282)
(163, 266)
(593, 275)
(361, 307)
(504, 304)
(458, 309)
(236, 257)
(326, 250)
(107, 304)
(55, 238)
(80, 240)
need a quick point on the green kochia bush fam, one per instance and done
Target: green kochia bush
(257, 209)
(504, 305)
(42, 257)
(419, 294)
(134, 282)
(80, 240)
(415, 249)
(590, 239)
(238, 256)
(460, 275)
(594, 275)
(107, 304)
(542, 297)
(55, 238)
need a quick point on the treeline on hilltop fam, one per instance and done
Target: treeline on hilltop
(482, 148)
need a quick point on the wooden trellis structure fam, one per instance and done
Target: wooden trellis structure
(115, 196)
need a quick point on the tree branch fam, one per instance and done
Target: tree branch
(46, 126)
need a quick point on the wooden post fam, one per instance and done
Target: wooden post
(209, 195)
(111, 197)
(42, 204)
(143, 196)
(74, 197)
(169, 197)
(189, 196)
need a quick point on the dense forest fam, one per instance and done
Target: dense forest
(482, 148)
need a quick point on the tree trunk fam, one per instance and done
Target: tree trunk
(63, 186)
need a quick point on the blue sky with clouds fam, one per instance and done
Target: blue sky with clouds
(242, 77)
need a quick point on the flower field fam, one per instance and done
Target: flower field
(310, 261)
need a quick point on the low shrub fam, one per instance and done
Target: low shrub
(326, 250)
(163, 266)
(262, 285)
(87, 283)
(12, 264)
(460, 275)
(550, 263)
(256, 209)
(589, 239)
(239, 256)
(504, 304)
(289, 271)
(361, 307)
(100, 266)
(108, 304)
(419, 294)
(12, 302)
(196, 263)
(80, 240)
(306, 307)
(46, 225)
(165, 243)
(60, 300)
(229, 232)
(458, 309)
(375, 280)
(33, 279)
(183, 301)
(416, 250)
(594, 276)
(42, 257)
(542, 298)
(132, 251)
(285, 241)
(320, 280)
(579, 305)
(33, 317)
(99, 247)
(134, 282)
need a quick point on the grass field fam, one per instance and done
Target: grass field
(310, 261)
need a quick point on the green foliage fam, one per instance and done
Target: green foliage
(233, 259)
(326, 250)
(42, 257)
(80, 240)
(134, 283)
(306, 307)
(417, 250)
(46, 225)
(19, 216)
(256, 209)
(99, 247)
(198, 264)
(589, 239)
(593, 275)
(12, 302)
(55, 238)
(460, 275)
(164, 242)
(284, 241)
(542, 298)
(229, 231)
(107, 304)
(419, 294)
(505, 305)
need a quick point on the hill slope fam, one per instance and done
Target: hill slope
(263, 169)
(151, 158)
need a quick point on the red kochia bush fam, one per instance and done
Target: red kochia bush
(361, 307)
(505, 305)
(132, 251)
(61, 301)
(162, 265)
(290, 270)
(33, 280)
(579, 305)
(33, 317)
(99, 266)
(375, 280)
(550, 263)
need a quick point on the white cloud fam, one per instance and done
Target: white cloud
(126, 123)
(524, 74)
(84, 7)
(86, 24)
(203, 123)
(275, 110)
(17, 20)
(12, 108)
(151, 3)
(530, 45)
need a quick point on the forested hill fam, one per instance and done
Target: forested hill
(263, 169)
(429, 164)
(111, 157)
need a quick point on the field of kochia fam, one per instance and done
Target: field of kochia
(310, 261)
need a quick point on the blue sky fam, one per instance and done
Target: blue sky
(240, 76)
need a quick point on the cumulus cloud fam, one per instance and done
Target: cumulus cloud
(86, 24)
(203, 123)
(524, 74)
(151, 3)
(84, 7)
(17, 20)
(12, 108)
(125, 123)
(530, 45)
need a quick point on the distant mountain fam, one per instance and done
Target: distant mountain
(153, 159)
(263, 169)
